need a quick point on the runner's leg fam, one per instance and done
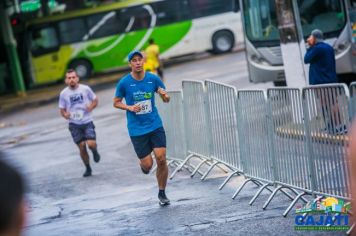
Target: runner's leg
(146, 163)
(78, 135)
(90, 136)
(162, 168)
(85, 158)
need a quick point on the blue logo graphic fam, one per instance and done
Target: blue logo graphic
(323, 214)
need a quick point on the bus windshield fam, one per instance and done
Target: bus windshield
(261, 20)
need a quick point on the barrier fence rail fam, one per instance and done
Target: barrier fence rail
(254, 141)
(223, 126)
(291, 157)
(327, 119)
(282, 139)
(172, 118)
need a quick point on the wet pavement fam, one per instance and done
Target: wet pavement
(118, 199)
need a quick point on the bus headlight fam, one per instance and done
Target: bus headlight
(259, 60)
(339, 48)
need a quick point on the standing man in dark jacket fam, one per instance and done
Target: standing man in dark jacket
(321, 58)
(323, 71)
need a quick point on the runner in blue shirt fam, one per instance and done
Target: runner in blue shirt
(143, 121)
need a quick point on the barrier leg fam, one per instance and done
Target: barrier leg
(256, 182)
(227, 179)
(153, 170)
(350, 230)
(191, 168)
(240, 188)
(258, 193)
(296, 193)
(293, 203)
(225, 171)
(197, 168)
(270, 190)
(288, 195)
(271, 197)
(208, 171)
(181, 166)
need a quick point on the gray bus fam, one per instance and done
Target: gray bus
(334, 17)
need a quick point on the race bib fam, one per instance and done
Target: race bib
(77, 115)
(146, 107)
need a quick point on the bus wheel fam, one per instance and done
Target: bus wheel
(223, 41)
(82, 67)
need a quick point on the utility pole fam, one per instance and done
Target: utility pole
(292, 43)
(10, 45)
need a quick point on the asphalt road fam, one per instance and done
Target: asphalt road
(118, 199)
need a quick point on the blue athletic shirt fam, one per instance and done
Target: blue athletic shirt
(142, 92)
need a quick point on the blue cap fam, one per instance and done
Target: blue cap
(134, 53)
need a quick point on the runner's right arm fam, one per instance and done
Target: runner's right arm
(62, 107)
(120, 105)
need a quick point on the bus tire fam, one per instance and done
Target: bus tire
(82, 67)
(223, 41)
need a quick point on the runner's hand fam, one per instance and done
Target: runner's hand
(89, 108)
(134, 108)
(66, 115)
(163, 94)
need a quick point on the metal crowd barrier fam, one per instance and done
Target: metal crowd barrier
(173, 122)
(197, 124)
(223, 126)
(291, 156)
(327, 121)
(287, 140)
(255, 146)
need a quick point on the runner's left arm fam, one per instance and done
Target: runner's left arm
(94, 100)
(161, 90)
(93, 104)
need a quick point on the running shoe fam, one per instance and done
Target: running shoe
(87, 173)
(163, 200)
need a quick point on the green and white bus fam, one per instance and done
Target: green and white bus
(99, 39)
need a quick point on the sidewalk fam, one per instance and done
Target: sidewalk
(39, 96)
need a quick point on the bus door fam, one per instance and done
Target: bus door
(44, 45)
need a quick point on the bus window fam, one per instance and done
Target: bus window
(106, 24)
(203, 8)
(236, 6)
(43, 40)
(169, 12)
(172, 11)
(327, 16)
(261, 20)
(72, 31)
(140, 16)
